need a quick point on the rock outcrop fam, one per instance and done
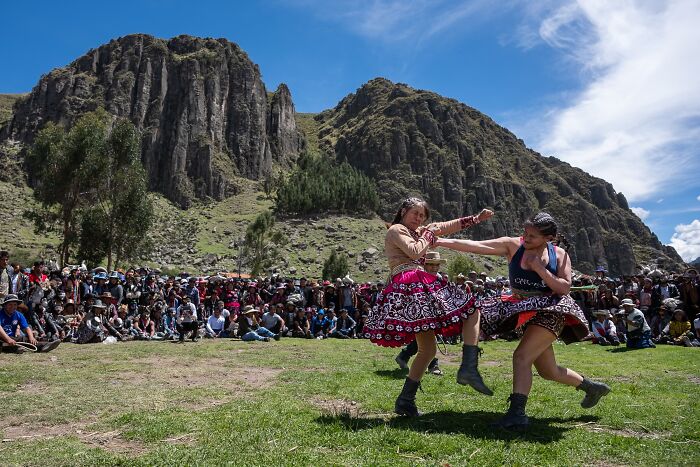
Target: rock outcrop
(418, 142)
(200, 104)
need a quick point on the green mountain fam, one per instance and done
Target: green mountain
(212, 133)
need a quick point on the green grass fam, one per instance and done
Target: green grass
(6, 103)
(185, 236)
(298, 402)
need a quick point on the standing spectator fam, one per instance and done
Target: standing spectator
(6, 273)
(192, 291)
(663, 291)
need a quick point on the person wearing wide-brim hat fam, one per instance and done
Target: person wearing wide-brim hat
(638, 330)
(418, 305)
(250, 330)
(91, 328)
(14, 329)
(604, 330)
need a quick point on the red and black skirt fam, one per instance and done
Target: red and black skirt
(559, 314)
(415, 301)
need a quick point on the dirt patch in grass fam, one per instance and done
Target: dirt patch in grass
(172, 372)
(622, 379)
(694, 379)
(109, 441)
(32, 387)
(638, 432)
(337, 407)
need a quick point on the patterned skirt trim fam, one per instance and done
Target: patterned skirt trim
(500, 315)
(416, 301)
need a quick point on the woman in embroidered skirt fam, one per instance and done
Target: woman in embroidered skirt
(417, 305)
(540, 307)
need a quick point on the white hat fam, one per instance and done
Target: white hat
(627, 301)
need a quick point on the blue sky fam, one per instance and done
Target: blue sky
(609, 86)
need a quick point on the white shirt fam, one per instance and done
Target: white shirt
(215, 324)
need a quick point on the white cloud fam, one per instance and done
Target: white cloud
(640, 212)
(686, 240)
(636, 119)
(698, 198)
(394, 21)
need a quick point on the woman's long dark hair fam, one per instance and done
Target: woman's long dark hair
(407, 204)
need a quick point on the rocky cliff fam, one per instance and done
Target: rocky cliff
(418, 142)
(203, 110)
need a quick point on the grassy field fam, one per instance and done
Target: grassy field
(298, 402)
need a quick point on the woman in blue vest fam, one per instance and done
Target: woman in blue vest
(540, 308)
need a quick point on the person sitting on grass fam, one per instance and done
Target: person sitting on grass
(215, 325)
(15, 329)
(345, 326)
(272, 321)
(250, 330)
(658, 323)
(678, 331)
(145, 326)
(187, 320)
(320, 325)
(300, 325)
(91, 329)
(638, 331)
(604, 330)
(619, 320)
(170, 324)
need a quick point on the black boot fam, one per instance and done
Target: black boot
(468, 373)
(402, 360)
(594, 391)
(406, 402)
(515, 418)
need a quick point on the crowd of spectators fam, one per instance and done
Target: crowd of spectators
(83, 306)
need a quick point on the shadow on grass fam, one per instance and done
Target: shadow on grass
(621, 349)
(396, 373)
(475, 424)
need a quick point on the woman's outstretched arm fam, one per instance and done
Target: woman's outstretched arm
(496, 247)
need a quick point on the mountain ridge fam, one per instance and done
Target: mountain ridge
(209, 124)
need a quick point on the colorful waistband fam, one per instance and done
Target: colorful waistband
(406, 267)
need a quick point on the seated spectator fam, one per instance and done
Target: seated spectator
(187, 320)
(14, 328)
(638, 330)
(250, 330)
(659, 322)
(320, 325)
(604, 330)
(619, 320)
(678, 331)
(91, 330)
(300, 325)
(145, 326)
(215, 327)
(169, 325)
(696, 327)
(345, 326)
(272, 321)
